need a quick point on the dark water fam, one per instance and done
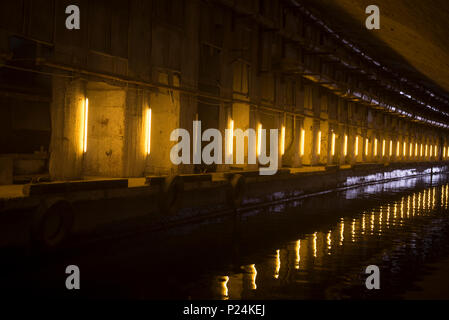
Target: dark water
(314, 248)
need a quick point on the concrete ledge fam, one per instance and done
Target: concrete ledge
(65, 187)
(196, 177)
(6, 171)
(155, 180)
(187, 178)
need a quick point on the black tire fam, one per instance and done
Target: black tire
(52, 223)
(172, 192)
(237, 191)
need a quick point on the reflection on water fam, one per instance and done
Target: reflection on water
(313, 259)
(311, 248)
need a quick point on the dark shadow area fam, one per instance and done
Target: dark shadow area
(421, 21)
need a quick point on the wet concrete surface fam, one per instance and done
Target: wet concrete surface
(313, 248)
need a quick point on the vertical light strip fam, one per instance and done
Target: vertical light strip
(397, 149)
(345, 150)
(426, 151)
(148, 147)
(303, 136)
(420, 152)
(86, 117)
(391, 148)
(383, 147)
(231, 138)
(366, 146)
(411, 150)
(333, 144)
(259, 138)
(318, 151)
(436, 151)
(444, 152)
(282, 140)
(375, 147)
(431, 153)
(416, 149)
(404, 151)
(356, 150)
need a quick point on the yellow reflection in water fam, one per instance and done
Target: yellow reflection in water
(402, 208)
(342, 229)
(314, 245)
(395, 213)
(253, 276)
(388, 215)
(372, 222)
(447, 191)
(353, 230)
(419, 201)
(424, 200)
(225, 291)
(278, 264)
(298, 255)
(433, 197)
(380, 219)
(408, 206)
(363, 224)
(329, 241)
(414, 205)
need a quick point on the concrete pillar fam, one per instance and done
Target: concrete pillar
(291, 156)
(67, 120)
(135, 153)
(106, 137)
(165, 106)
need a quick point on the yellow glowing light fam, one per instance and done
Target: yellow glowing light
(375, 147)
(345, 150)
(431, 153)
(404, 147)
(148, 136)
(436, 151)
(444, 152)
(391, 148)
(329, 240)
(282, 140)
(318, 151)
(231, 137)
(383, 147)
(356, 149)
(314, 245)
(420, 152)
(259, 138)
(333, 144)
(303, 135)
(86, 117)
(366, 146)
(411, 150)
(397, 149)
(426, 151)
(416, 149)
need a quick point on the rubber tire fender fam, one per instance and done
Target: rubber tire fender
(52, 223)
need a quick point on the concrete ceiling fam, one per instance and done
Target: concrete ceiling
(413, 38)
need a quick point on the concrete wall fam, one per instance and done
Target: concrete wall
(190, 60)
